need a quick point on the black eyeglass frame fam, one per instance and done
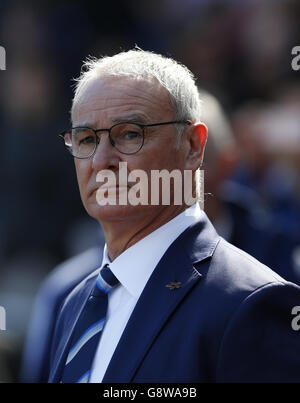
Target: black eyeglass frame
(142, 126)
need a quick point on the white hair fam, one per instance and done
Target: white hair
(144, 65)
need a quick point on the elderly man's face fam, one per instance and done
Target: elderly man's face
(110, 100)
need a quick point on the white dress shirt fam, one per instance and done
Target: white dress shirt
(133, 269)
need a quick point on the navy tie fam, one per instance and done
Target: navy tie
(88, 329)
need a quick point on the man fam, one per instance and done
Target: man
(183, 304)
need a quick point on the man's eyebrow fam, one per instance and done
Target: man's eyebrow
(84, 124)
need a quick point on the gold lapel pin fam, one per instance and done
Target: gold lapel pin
(173, 285)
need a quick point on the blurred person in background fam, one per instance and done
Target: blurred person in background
(269, 140)
(257, 213)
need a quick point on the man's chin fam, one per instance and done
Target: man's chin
(116, 212)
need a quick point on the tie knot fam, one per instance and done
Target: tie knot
(106, 280)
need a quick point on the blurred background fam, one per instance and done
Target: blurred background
(240, 52)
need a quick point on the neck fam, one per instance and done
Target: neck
(121, 235)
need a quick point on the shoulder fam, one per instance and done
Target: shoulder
(237, 270)
(249, 311)
(231, 279)
(259, 343)
(228, 274)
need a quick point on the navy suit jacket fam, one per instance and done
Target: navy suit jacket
(229, 321)
(53, 291)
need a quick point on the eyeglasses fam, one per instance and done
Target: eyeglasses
(127, 138)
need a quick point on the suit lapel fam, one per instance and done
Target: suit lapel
(74, 307)
(160, 298)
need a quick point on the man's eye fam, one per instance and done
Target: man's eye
(86, 140)
(131, 135)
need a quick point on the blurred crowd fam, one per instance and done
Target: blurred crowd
(240, 52)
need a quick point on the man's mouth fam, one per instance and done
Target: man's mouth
(105, 188)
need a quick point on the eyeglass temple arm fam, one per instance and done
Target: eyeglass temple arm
(187, 122)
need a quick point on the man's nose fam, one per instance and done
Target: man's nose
(106, 156)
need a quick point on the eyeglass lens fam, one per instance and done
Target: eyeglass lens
(126, 138)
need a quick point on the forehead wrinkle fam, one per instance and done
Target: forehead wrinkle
(120, 117)
(133, 107)
(134, 118)
(136, 95)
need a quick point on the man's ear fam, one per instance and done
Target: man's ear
(202, 134)
(197, 143)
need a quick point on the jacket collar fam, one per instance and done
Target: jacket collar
(70, 313)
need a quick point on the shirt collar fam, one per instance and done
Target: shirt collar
(135, 265)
